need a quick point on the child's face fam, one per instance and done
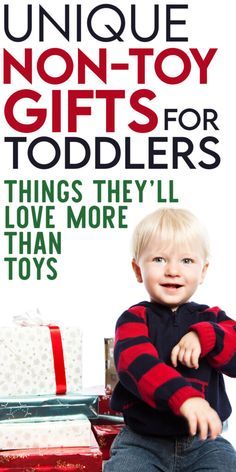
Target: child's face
(170, 275)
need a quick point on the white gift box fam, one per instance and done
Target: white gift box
(68, 433)
(27, 360)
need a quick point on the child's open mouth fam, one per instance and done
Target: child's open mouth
(172, 286)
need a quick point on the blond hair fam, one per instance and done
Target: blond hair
(170, 226)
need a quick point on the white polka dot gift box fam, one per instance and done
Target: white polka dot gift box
(37, 360)
(67, 433)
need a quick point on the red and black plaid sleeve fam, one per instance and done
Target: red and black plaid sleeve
(140, 369)
(218, 341)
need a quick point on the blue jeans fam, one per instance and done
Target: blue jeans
(132, 452)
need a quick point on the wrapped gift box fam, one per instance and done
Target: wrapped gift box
(104, 406)
(111, 377)
(38, 360)
(43, 407)
(104, 398)
(60, 468)
(68, 433)
(105, 435)
(85, 459)
(107, 419)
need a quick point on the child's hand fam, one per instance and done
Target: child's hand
(187, 351)
(201, 417)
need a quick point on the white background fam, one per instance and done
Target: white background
(95, 281)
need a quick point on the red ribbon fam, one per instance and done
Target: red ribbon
(58, 358)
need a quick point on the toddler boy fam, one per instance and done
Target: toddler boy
(170, 354)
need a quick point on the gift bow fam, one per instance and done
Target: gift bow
(30, 318)
(34, 319)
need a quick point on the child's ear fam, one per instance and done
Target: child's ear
(204, 269)
(137, 270)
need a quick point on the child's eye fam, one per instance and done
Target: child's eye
(159, 259)
(187, 260)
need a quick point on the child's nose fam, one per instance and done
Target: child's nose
(172, 269)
